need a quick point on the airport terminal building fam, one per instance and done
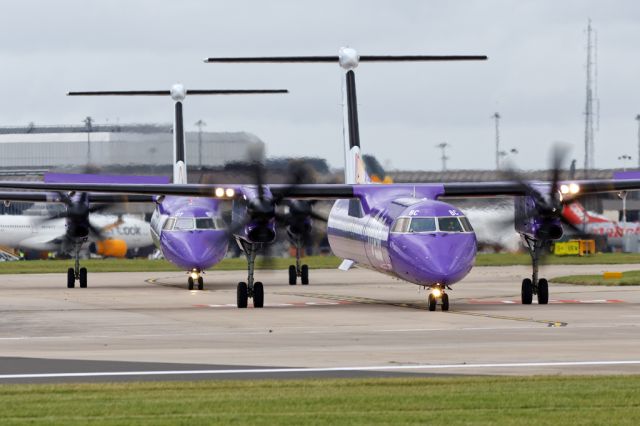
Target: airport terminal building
(118, 147)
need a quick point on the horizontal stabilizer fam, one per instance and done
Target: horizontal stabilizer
(335, 58)
(168, 92)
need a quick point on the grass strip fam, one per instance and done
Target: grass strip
(628, 278)
(314, 262)
(550, 400)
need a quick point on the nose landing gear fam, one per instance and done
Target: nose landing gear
(437, 293)
(195, 276)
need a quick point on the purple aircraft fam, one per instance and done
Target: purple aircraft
(404, 230)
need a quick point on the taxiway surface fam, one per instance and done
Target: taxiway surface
(142, 326)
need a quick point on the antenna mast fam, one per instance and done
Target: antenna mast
(589, 113)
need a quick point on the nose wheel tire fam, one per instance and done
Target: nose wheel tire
(71, 278)
(190, 283)
(242, 295)
(200, 283)
(258, 295)
(543, 291)
(293, 276)
(304, 274)
(83, 278)
(445, 302)
(526, 292)
(431, 301)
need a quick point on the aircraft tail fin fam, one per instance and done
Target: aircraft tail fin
(348, 59)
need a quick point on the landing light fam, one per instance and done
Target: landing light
(230, 192)
(219, 192)
(564, 189)
(194, 275)
(436, 292)
(574, 188)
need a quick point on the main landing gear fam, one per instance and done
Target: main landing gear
(77, 273)
(298, 270)
(437, 293)
(195, 276)
(250, 290)
(535, 285)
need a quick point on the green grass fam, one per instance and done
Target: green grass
(507, 259)
(145, 265)
(628, 278)
(452, 401)
(314, 262)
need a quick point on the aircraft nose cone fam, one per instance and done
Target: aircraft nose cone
(433, 258)
(197, 249)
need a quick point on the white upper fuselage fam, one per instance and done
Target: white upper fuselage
(32, 233)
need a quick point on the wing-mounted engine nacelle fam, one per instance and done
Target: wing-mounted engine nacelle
(109, 248)
(535, 222)
(261, 210)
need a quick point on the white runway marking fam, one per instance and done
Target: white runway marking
(322, 369)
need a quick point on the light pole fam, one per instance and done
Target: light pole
(89, 123)
(200, 123)
(624, 158)
(623, 194)
(443, 146)
(505, 154)
(496, 117)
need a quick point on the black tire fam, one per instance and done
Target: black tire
(200, 283)
(258, 295)
(304, 274)
(293, 276)
(242, 295)
(431, 301)
(71, 278)
(83, 277)
(526, 292)
(543, 291)
(445, 302)
(190, 283)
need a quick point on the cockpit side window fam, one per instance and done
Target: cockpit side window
(401, 225)
(168, 225)
(423, 224)
(466, 225)
(205, 223)
(184, 224)
(449, 224)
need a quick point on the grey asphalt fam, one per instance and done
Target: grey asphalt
(353, 320)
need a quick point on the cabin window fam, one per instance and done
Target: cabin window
(205, 223)
(423, 224)
(184, 224)
(449, 224)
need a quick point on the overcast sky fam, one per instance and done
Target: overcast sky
(535, 76)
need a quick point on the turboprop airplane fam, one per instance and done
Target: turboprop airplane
(403, 230)
(595, 224)
(188, 230)
(113, 235)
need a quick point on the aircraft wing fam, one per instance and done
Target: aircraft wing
(54, 197)
(490, 189)
(366, 192)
